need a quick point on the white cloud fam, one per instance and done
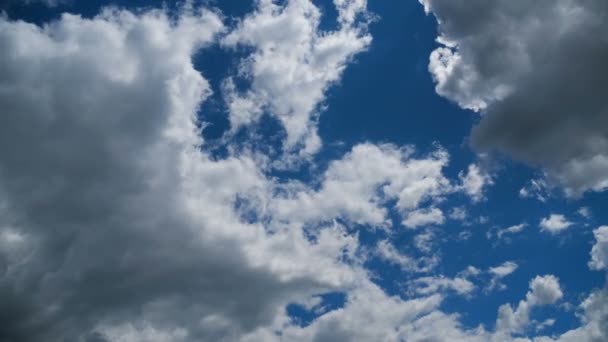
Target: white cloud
(499, 272)
(544, 290)
(458, 214)
(518, 228)
(555, 223)
(388, 252)
(504, 269)
(424, 217)
(536, 188)
(357, 186)
(584, 212)
(474, 182)
(430, 285)
(293, 64)
(599, 252)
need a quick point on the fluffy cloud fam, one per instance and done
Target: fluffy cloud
(293, 64)
(358, 186)
(555, 223)
(510, 60)
(114, 223)
(423, 217)
(544, 290)
(599, 252)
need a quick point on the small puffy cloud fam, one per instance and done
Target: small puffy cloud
(504, 269)
(584, 212)
(599, 252)
(458, 214)
(474, 181)
(424, 217)
(555, 223)
(544, 290)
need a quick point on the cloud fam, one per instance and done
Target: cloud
(511, 230)
(424, 217)
(555, 223)
(499, 272)
(536, 188)
(585, 212)
(474, 182)
(544, 290)
(358, 186)
(294, 62)
(114, 223)
(599, 252)
(510, 61)
(458, 214)
(386, 251)
(434, 284)
(371, 315)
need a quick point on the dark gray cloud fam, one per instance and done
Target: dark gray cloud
(537, 72)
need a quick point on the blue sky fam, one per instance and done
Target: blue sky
(214, 174)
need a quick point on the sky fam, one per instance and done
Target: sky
(303, 170)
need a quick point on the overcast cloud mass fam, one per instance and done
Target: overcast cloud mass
(121, 221)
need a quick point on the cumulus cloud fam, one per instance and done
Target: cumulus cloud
(358, 186)
(115, 225)
(511, 60)
(555, 223)
(294, 62)
(544, 290)
(599, 252)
